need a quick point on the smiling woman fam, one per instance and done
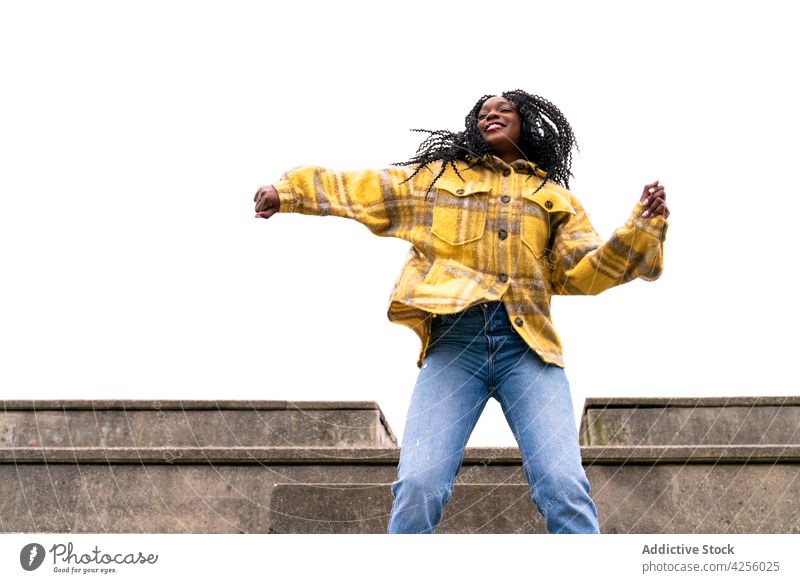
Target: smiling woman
(494, 233)
(501, 127)
(533, 130)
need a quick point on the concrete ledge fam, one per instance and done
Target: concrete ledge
(376, 455)
(691, 421)
(125, 423)
(180, 405)
(644, 402)
(690, 454)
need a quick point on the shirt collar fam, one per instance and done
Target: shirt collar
(521, 166)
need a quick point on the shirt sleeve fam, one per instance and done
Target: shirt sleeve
(371, 197)
(582, 264)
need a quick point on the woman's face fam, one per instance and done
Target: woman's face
(500, 125)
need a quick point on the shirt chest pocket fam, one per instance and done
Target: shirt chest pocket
(540, 212)
(459, 211)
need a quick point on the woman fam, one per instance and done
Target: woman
(494, 233)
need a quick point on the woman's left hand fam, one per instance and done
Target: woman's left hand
(654, 200)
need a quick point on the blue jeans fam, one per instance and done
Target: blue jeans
(473, 355)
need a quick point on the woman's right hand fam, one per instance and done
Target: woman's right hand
(654, 200)
(267, 202)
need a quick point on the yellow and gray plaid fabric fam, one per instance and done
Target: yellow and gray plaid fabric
(487, 237)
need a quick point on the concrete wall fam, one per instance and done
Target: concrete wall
(228, 467)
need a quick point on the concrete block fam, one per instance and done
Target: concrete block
(690, 421)
(193, 424)
(365, 508)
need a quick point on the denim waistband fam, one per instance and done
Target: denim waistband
(488, 306)
(484, 317)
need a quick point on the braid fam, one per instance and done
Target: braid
(549, 139)
(546, 139)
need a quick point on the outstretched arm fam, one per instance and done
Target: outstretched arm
(581, 263)
(371, 197)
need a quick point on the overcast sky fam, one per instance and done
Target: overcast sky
(133, 137)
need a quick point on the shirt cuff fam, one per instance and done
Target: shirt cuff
(289, 200)
(655, 226)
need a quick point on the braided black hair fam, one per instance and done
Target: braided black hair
(546, 139)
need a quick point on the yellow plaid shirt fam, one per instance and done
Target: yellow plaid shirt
(487, 237)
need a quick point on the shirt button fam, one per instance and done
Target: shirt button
(485, 305)
(503, 278)
(518, 321)
(502, 233)
(548, 204)
(505, 198)
(461, 191)
(506, 172)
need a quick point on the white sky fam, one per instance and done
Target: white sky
(133, 137)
